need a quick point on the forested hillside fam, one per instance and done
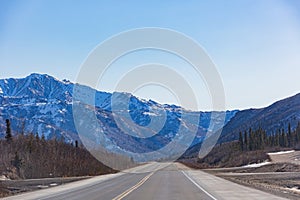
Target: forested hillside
(31, 156)
(252, 147)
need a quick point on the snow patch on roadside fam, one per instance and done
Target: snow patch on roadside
(294, 189)
(257, 164)
(280, 152)
(42, 186)
(3, 178)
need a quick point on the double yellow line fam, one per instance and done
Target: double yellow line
(127, 192)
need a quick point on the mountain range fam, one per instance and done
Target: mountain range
(43, 105)
(123, 123)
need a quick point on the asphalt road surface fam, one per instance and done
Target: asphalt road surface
(152, 181)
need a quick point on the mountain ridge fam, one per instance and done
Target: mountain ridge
(43, 104)
(277, 115)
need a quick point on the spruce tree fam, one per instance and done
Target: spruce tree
(241, 141)
(297, 132)
(277, 140)
(251, 140)
(8, 135)
(289, 136)
(246, 141)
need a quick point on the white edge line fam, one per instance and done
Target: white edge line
(211, 196)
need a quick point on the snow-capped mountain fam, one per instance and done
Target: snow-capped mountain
(44, 105)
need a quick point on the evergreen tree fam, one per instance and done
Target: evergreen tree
(246, 141)
(289, 136)
(285, 139)
(264, 142)
(8, 135)
(43, 139)
(277, 139)
(241, 142)
(251, 142)
(37, 137)
(281, 139)
(297, 133)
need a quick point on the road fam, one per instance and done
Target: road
(152, 181)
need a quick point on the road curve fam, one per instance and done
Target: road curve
(152, 181)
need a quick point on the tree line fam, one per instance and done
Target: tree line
(252, 146)
(32, 156)
(259, 140)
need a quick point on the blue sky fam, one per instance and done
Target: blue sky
(254, 44)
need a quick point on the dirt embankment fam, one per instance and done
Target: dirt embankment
(286, 157)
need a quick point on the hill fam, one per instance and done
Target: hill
(272, 118)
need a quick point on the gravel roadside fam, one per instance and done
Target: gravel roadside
(13, 187)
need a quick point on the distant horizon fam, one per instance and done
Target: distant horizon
(162, 103)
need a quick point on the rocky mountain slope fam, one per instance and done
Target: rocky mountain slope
(43, 105)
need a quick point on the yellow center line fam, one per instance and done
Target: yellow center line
(127, 192)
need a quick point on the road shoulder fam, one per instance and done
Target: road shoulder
(225, 189)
